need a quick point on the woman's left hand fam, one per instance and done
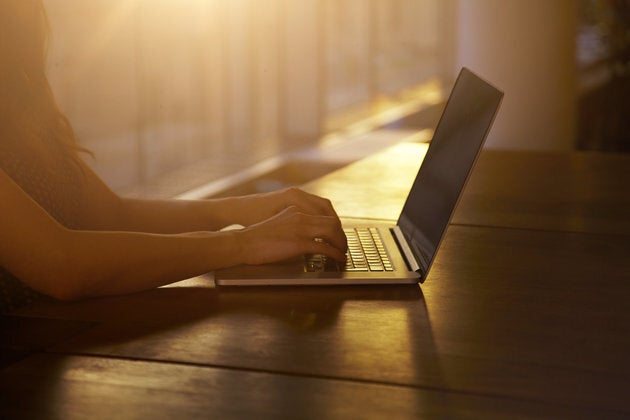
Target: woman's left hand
(255, 208)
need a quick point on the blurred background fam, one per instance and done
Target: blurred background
(177, 95)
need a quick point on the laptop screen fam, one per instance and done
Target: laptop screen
(458, 138)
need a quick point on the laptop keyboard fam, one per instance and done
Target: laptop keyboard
(366, 252)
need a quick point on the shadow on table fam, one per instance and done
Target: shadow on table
(134, 316)
(378, 334)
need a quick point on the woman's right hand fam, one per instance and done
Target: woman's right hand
(291, 233)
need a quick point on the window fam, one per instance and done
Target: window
(202, 88)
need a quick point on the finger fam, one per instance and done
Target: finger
(328, 230)
(309, 227)
(324, 206)
(310, 203)
(324, 248)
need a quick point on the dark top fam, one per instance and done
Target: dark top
(55, 187)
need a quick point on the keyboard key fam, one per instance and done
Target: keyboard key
(366, 252)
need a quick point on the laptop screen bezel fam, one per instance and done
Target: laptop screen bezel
(421, 246)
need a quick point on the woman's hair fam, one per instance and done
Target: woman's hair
(28, 110)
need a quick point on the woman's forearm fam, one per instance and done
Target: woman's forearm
(73, 264)
(174, 216)
(104, 210)
(92, 263)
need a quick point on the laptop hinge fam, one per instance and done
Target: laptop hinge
(406, 250)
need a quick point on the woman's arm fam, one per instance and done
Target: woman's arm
(105, 210)
(71, 264)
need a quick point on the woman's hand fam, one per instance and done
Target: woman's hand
(253, 209)
(291, 233)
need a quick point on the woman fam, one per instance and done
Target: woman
(65, 234)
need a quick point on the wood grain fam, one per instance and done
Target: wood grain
(374, 187)
(525, 308)
(573, 192)
(513, 313)
(98, 388)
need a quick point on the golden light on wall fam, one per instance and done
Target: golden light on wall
(152, 86)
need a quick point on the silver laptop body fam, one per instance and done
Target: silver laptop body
(412, 243)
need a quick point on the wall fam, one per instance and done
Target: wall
(154, 87)
(527, 48)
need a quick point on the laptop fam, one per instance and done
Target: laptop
(404, 252)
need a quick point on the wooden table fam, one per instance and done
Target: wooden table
(525, 313)
(572, 192)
